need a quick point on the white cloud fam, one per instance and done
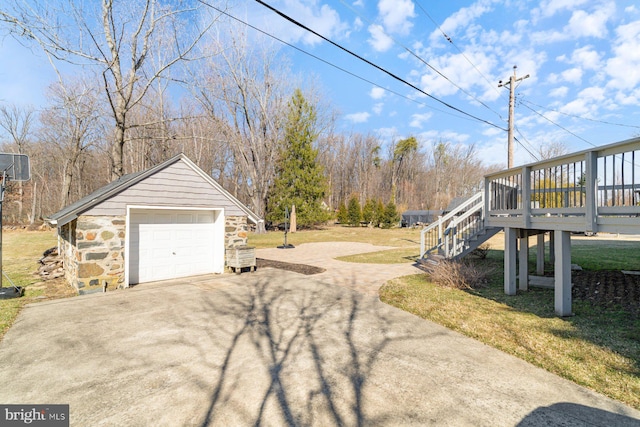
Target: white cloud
(583, 24)
(358, 117)
(572, 75)
(395, 15)
(377, 93)
(577, 107)
(461, 19)
(379, 40)
(324, 20)
(377, 108)
(624, 67)
(457, 69)
(549, 8)
(435, 136)
(546, 37)
(358, 24)
(593, 94)
(358, 3)
(587, 58)
(632, 98)
(559, 92)
(387, 132)
(492, 131)
(418, 119)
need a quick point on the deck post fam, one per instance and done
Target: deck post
(562, 267)
(552, 247)
(591, 184)
(523, 271)
(540, 255)
(526, 197)
(510, 252)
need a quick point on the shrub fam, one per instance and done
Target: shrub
(369, 212)
(460, 274)
(391, 218)
(481, 251)
(342, 216)
(354, 212)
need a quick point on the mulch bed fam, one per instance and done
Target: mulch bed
(608, 289)
(296, 268)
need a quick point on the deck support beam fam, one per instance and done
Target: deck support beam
(523, 271)
(510, 252)
(540, 255)
(562, 267)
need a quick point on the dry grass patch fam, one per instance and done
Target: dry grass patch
(460, 274)
(390, 256)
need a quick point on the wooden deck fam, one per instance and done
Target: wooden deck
(592, 191)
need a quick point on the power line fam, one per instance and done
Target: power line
(560, 126)
(329, 63)
(528, 143)
(392, 75)
(450, 40)
(581, 117)
(526, 149)
(419, 58)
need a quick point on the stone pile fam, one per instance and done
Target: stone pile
(50, 265)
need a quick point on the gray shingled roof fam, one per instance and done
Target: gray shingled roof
(95, 197)
(71, 212)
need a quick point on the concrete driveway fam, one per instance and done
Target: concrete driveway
(274, 348)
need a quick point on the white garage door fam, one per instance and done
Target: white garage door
(166, 244)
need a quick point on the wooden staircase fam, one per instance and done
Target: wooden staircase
(457, 233)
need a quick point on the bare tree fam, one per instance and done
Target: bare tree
(71, 124)
(453, 171)
(116, 38)
(18, 123)
(245, 93)
(551, 150)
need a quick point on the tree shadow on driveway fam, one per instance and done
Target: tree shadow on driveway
(301, 356)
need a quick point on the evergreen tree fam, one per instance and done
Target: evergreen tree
(299, 179)
(354, 211)
(343, 217)
(391, 216)
(379, 213)
(369, 212)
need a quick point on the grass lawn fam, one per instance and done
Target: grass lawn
(21, 251)
(597, 348)
(397, 237)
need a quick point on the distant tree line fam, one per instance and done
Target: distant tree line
(146, 90)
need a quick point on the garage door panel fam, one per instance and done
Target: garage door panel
(170, 244)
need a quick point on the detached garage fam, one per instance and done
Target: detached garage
(170, 221)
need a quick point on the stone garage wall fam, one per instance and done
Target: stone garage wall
(100, 253)
(92, 248)
(235, 231)
(68, 251)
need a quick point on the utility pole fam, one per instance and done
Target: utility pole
(512, 90)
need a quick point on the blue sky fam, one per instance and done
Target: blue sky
(583, 58)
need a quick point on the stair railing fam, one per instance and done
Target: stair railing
(463, 228)
(444, 234)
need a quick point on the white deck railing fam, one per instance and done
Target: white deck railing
(590, 191)
(449, 233)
